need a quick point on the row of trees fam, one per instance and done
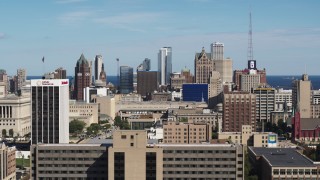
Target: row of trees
(4, 133)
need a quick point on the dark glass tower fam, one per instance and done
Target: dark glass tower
(126, 79)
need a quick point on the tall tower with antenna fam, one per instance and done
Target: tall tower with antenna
(250, 47)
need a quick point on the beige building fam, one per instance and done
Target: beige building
(130, 158)
(86, 112)
(107, 105)
(69, 161)
(186, 133)
(196, 115)
(301, 96)
(15, 114)
(202, 161)
(203, 67)
(248, 137)
(7, 162)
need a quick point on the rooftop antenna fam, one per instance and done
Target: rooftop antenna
(250, 47)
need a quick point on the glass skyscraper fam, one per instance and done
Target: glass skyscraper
(126, 79)
(165, 65)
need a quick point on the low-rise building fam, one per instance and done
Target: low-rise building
(282, 163)
(250, 138)
(15, 114)
(186, 133)
(86, 112)
(68, 161)
(7, 162)
(306, 129)
(131, 157)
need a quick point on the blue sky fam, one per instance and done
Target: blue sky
(286, 33)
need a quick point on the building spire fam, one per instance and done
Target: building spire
(250, 46)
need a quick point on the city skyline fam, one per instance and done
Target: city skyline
(60, 30)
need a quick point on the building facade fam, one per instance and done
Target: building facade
(301, 96)
(265, 104)
(82, 111)
(15, 114)
(186, 133)
(282, 163)
(220, 64)
(203, 66)
(49, 111)
(165, 65)
(69, 161)
(126, 79)
(145, 65)
(131, 157)
(97, 66)
(82, 77)
(239, 109)
(7, 162)
(202, 161)
(147, 82)
(3, 83)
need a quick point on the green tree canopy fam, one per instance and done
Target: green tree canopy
(76, 126)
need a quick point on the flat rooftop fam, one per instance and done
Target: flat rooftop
(282, 157)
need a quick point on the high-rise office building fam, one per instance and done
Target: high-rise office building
(202, 67)
(103, 75)
(223, 66)
(301, 96)
(3, 83)
(97, 66)
(250, 78)
(265, 104)
(82, 77)
(126, 79)
(147, 82)
(60, 73)
(50, 111)
(20, 79)
(145, 65)
(239, 109)
(165, 65)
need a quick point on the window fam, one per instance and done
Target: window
(131, 136)
(131, 144)
(123, 137)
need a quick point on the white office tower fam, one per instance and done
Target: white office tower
(217, 51)
(50, 111)
(97, 67)
(223, 66)
(165, 65)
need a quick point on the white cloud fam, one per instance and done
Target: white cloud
(74, 17)
(69, 1)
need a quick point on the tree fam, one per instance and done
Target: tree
(4, 133)
(122, 124)
(93, 128)
(76, 126)
(11, 132)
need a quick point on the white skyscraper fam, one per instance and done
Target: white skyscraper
(50, 111)
(223, 66)
(97, 66)
(165, 65)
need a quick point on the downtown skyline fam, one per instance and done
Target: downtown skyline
(286, 34)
